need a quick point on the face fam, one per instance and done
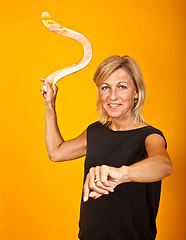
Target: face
(117, 95)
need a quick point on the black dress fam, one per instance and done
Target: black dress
(129, 212)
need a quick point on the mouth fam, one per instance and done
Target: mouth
(114, 105)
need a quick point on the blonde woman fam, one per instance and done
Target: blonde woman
(126, 158)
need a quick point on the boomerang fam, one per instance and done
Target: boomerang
(56, 28)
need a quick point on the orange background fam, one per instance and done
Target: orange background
(40, 199)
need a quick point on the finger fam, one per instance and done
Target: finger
(95, 195)
(99, 189)
(100, 185)
(92, 175)
(43, 92)
(104, 183)
(43, 89)
(86, 189)
(104, 173)
(95, 182)
(47, 84)
(97, 174)
(92, 185)
(55, 89)
(42, 79)
(47, 87)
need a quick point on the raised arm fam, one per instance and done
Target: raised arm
(154, 168)
(57, 148)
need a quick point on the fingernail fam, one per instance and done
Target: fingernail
(106, 193)
(85, 199)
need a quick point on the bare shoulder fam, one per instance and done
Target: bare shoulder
(155, 145)
(155, 139)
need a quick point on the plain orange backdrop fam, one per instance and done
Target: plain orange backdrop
(40, 199)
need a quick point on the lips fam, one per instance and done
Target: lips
(114, 105)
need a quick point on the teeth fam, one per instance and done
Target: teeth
(113, 105)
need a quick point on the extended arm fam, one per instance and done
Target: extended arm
(154, 168)
(57, 148)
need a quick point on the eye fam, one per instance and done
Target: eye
(122, 87)
(105, 88)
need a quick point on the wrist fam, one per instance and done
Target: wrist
(125, 170)
(50, 110)
(50, 105)
(48, 116)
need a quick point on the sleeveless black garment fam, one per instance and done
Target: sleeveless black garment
(129, 213)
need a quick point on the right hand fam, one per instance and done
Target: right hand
(107, 178)
(49, 92)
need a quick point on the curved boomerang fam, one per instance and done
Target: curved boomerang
(56, 28)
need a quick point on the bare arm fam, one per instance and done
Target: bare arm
(57, 148)
(154, 168)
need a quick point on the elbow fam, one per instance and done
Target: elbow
(169, 168)
(54, 158)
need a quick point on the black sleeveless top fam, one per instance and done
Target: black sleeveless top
(129, 212)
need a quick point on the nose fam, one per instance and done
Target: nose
(113, 94)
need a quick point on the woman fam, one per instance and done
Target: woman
(126, 159)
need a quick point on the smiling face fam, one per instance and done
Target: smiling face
(117, 94)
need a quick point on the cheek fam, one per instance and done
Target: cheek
(130, 96)
(102, 97)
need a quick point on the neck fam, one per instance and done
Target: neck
(117, 125)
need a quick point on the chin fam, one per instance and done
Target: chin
(114, 115)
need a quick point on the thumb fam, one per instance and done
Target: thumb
(55, 89)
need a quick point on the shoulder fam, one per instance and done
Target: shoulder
(150, 129)
(154, 136)
(95, 126)
(97, 123)
(96, 130)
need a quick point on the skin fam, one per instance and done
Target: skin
(58, 149)
(116, 95)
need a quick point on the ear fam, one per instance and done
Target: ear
(136, 95)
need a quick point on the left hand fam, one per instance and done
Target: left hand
(49, 92)
(102, 180)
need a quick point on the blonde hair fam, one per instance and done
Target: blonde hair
(108, 66)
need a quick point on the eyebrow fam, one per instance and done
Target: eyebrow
(118, 83)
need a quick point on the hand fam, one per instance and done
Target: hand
(49, 92)
(102, 180)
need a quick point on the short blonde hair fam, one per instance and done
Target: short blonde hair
(108, 66)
